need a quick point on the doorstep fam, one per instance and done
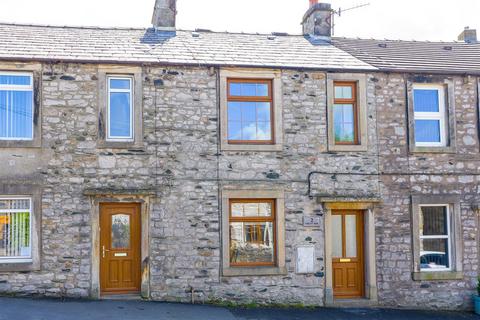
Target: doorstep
(353, 303)
(129, 296)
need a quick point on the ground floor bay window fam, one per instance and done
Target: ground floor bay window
(15, 230)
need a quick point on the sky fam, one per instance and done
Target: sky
(382, 19)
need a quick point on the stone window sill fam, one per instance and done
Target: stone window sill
(437, 275)
(19, 267)
(347, 148)
(415, 149)
(252, 147)
(36, 143)
(119, 145)
(254, 271)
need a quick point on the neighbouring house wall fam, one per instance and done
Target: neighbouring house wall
(409, 174)
(67, 163)
(181, 161)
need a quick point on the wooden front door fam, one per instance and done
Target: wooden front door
(347, 254)
(120, 248)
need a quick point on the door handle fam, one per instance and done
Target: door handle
(103, 251)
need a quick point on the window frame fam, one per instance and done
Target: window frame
(440, 115)
(456, 236)
(20, 259)
(365, 112)
(354, 102)
(275, 75)
(271, 219)
(18, 87)
(131, 79)
(448, 237)
(269, 99)
(236, 191)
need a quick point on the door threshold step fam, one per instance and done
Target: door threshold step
(134, 296)
(349, 303)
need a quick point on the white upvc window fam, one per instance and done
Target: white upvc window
(15, 229)
(16, 106)
(435, 238)
(430, 115)
(120, 108)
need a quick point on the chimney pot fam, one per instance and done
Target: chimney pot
(317, 21)
(468, 35)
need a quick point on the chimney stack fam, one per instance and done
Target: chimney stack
(164, 14)
(468, 35)
(317, 21)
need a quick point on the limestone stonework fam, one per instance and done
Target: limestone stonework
(181, 161)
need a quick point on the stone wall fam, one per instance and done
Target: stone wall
(406, 174)
(182, 161)
(69, 162)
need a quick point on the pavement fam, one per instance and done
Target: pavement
(49, 309)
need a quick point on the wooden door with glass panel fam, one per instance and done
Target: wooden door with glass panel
(120, 248)
(347, 254)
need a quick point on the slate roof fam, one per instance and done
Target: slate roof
(415, 56)
(93, 44)
(129, 45)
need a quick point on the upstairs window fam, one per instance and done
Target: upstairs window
(120, 109)
(345, 114)
(15, 230)
(16, 106)
(430, 116)
(249, 111)
(435, 238)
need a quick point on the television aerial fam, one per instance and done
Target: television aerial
(340, 11)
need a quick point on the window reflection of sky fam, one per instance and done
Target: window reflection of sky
(249, 121)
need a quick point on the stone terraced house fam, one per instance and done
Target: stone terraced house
(203, 166)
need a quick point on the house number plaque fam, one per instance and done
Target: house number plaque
(311, 221)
